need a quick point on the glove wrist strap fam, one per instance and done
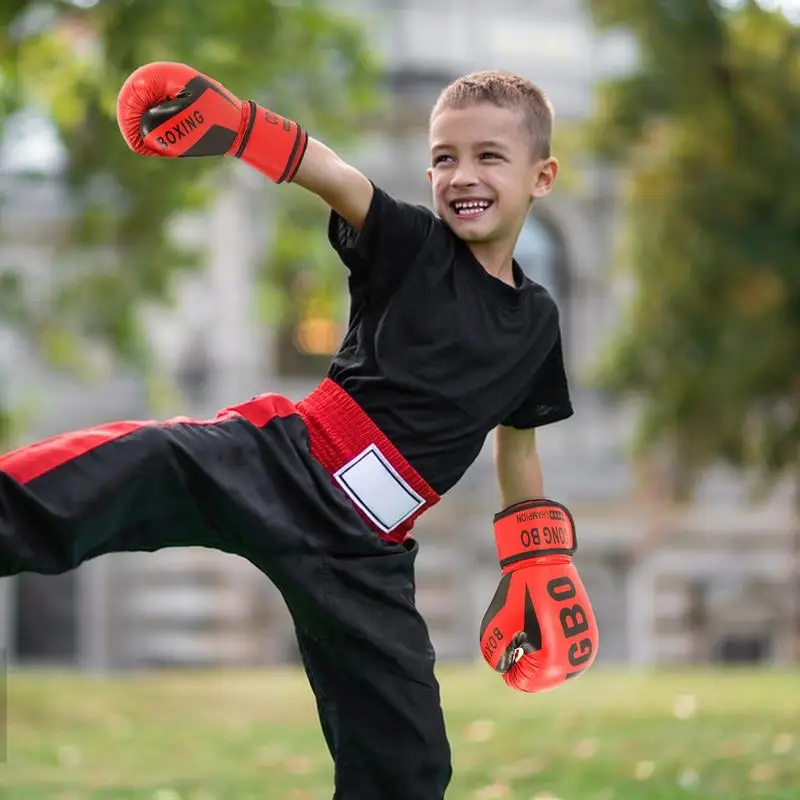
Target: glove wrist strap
(272, 144)
(533, 529)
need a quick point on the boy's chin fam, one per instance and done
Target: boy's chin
(474, 234)
(474, 238)
(474, 231)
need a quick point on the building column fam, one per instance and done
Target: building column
(93, 609)
(641, 612)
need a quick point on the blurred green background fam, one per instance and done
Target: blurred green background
(245, 735)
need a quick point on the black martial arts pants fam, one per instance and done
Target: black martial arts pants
(248, 483)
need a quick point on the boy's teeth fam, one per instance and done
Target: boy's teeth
(471, 206)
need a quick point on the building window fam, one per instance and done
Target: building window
(314, 322)
(741, 648)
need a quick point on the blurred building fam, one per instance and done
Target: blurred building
(669, 584)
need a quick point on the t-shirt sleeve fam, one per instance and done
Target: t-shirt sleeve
(393, 234)
(549, 399)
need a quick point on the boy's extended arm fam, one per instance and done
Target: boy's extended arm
(517, 464)
(343, 187)
(173, 110)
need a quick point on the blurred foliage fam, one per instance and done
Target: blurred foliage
(67, 61)
(300, 262)
(302, 287)
(706, 133)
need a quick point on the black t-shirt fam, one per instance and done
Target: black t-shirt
(438, 352)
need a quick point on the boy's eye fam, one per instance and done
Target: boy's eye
(491, 155)
(440, 159)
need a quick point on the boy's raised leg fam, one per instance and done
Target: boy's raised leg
(132, 486)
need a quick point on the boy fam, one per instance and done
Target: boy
(447, 341)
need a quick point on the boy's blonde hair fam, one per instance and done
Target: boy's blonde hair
(505, 90)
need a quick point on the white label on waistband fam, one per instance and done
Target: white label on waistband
(376, 487)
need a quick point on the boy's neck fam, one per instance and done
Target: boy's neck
(497, 258)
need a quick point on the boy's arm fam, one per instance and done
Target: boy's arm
(519, 470)
(539, 629)
(343, 187)
(173, 110)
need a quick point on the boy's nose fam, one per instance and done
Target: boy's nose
(463, 175)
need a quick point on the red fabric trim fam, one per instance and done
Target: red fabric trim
(30, 461)
(34, 460)
(262, 409)
(340, 429)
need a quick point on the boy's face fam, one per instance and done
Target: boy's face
(483, 172)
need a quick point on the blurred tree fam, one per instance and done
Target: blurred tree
(303, 287)
(67, 60)
(707, 134)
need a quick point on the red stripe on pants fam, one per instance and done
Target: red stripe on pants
(34, 460)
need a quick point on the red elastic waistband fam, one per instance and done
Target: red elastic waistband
(340, 430)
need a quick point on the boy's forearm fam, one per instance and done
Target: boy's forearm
(518, 469)
(343, 187)
(526, 484)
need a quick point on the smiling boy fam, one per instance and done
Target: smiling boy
(447, 342)
(490, 152)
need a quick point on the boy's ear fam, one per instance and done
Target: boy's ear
(544, 178)
(429, 173)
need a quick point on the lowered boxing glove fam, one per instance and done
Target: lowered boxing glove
(539, 629)
(170, 109)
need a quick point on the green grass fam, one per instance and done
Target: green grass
(233, 736)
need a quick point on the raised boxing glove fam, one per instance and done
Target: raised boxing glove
(170, 109)
(539, 630)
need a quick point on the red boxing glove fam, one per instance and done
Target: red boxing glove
(540, 629)
(169, 109)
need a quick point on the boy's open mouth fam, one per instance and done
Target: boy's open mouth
(470, 208)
